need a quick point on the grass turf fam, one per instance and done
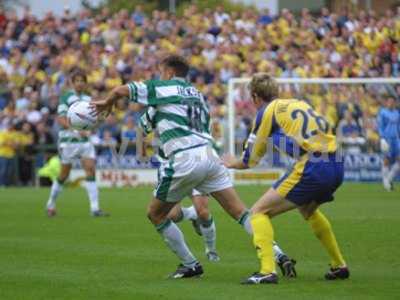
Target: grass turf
(75, 256)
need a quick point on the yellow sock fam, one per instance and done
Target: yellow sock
(263, 236)
(323, 231)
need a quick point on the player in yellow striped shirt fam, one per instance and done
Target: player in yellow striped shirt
(293, 127)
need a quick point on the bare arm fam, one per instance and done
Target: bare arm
(232, 162)
(63, 121)
(106, 104)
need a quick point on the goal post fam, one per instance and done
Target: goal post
(358, 90)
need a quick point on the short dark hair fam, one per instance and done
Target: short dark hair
(177, 63)
(78, 73)
(264, 86)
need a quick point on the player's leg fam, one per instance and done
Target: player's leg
(385, 174)
(231, 203)
(89, 165)
(180, 213)
(158, 214)
(219, 185)
(176, 179)
(396, 165)
(324, 232)
(206, 225)
(56, 189)
(388, 157)
(268, 206)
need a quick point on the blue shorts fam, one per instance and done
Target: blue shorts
(394, 149)
(312, 179)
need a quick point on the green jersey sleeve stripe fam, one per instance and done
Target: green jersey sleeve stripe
(142, 92)
(62, 109)
(132, 92)
(171, 117)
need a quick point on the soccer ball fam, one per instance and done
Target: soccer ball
(79, 116)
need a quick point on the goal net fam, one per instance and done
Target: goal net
(349, 105)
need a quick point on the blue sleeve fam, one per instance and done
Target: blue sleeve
(381, 122)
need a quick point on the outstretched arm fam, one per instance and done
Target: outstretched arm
(232, 162)
(106, 104)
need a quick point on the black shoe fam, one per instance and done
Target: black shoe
(258, 278)
(196, 226)
(337, 273)
(100, 213)
(186, 272)
(287, 266)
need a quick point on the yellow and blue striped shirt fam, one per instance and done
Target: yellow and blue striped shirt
(292, 126)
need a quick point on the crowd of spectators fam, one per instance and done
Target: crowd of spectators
(37, 54)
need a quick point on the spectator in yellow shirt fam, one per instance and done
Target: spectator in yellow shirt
(8, 147)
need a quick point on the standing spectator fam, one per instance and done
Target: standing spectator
(138, 16)
(25, 154)
(128, 137)
(265, 17)
(110, 126)
(107, 144)
(44, 143)
(8, 147)
(5, 94)
(349, 134)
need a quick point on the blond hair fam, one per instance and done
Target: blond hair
(264, 86)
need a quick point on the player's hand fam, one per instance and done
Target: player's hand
(384, 145)
(101, 107)
(229, 161)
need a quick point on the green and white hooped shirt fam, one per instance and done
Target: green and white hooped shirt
(176, 110)
(66, 100)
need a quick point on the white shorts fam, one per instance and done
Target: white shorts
(198, 169)
(197, 193)
(69, 152)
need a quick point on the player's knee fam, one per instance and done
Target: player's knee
(90, 171)
(154, 216)
(203, 213)
(261, 209)
(151, 216)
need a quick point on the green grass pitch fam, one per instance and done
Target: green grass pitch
(75, 256)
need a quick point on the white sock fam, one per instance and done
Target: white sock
(173, 237)
(56, 188)
(393, 171)
(93, 195)
(277, 251)
(209, 232)
(244, 220)
(385, 172)
(189, 213)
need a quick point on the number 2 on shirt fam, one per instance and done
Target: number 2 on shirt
(306, 115)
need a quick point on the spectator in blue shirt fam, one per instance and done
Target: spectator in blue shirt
(128, 136)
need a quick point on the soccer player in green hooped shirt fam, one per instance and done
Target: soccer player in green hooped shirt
(72, 145)
(191, 162)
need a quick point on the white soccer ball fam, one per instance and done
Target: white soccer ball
(80, 116)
